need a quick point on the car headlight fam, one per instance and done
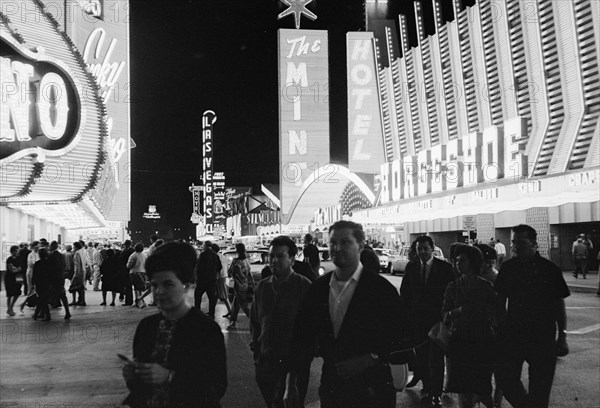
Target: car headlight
(321, 271)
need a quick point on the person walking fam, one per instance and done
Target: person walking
(78, 282)
(581, 258)
(41, 280)
(422, 293)
(221, 286)
(353, 319)
(124, 279)
(311, 254)
(58, 294)
(179, 356)
(207, 273)
(109, 275)
(535, 290)
(137, 273)
(12, 287)
(242, 277)
(32, 258)
(274, 310)
(500, 253)
(469, 308)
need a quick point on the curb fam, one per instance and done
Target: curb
(582, 289)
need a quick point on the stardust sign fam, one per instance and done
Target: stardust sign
(303, 109)
(208, 119)
(480, 157)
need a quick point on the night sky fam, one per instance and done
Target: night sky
(190, 56)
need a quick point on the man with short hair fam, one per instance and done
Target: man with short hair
(535, 290)
(56, 262)
(124, 279)
(580, 257)
(352, 318)
(96, 261)
(422, 293)
(207, 273)
(500, 253)
(274, 310)
(311, 254)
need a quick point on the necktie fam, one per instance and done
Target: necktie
(423, 274)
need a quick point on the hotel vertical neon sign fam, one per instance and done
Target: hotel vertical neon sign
(208, 119)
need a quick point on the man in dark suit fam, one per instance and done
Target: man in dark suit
(422, 293)
(207, 270)
(352, 318)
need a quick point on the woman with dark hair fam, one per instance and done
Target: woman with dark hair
(469, 311)
(137, 273)
(179, 355)
(13, 289)
(109, 273)
(239, 271)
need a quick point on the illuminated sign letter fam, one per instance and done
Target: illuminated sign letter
(472, 173)
(492, 154)
(53, 106)
(297, 143)
(454, 167)
(515, 141)
(384, 195)
(15, 100)
(397, 180)
(409, 171)
(438, 165)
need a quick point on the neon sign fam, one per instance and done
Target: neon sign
(208, 119)
(34, 79)
(496, 153)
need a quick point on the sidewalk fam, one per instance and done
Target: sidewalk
(580, 285)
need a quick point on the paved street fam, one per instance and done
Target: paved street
(74, 364)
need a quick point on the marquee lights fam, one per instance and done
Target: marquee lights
(52, 105)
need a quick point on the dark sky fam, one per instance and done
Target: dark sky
(190, 56)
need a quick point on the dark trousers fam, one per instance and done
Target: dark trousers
(541, 357)
(429, 366)
(127, 289)
(581, 267)
(210, 287)
(42, 308)
(358, 396)
(59, 295)
(271, 380)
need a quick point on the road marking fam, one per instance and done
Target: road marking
(583, 307)
(585, 330)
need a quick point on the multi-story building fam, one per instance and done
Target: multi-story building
(495, 123)
(64, 137)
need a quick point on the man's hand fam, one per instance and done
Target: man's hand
(354, 366)
(129, 372)
(151, 373)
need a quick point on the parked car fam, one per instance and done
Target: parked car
(326, 263)
(258, 260)
(385, 263)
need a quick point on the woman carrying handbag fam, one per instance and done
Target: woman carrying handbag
(469, 312)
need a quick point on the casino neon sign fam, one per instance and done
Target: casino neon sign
(39, 107)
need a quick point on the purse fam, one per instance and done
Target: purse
(441, 335)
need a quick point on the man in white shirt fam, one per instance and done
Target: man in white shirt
(500, 253)
(353, 319)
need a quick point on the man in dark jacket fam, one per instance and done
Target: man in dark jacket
(353, 319)
(207, 273)
(531, 292)
(57, 279)
(422, 293)
(125, 281)
(311, 254)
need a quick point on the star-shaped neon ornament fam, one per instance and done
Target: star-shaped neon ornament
(297, 8)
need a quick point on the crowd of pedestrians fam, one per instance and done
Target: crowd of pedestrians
(354, 319)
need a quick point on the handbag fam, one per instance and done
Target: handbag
(441, 335)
